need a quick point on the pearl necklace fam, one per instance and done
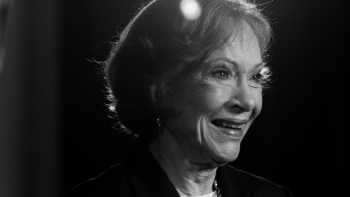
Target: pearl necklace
(217, 189)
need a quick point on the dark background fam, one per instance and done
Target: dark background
(291, 143)
(57, 132)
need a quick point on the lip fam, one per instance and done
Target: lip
(233, 133)
(232, 120)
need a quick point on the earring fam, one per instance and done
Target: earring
(159, 122)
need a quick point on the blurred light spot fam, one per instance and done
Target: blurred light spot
(191, 9)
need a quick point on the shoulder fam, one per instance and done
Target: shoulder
(112, 182)
(138, 175)
(255, 185)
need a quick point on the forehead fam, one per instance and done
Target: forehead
(242, 46)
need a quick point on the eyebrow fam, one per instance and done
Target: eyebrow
(261, 64)
(235, 64)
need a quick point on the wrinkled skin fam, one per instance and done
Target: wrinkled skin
(224, 86)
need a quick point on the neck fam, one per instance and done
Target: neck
(190, 176)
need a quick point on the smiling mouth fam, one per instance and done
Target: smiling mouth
(227, 124)
(233, 129)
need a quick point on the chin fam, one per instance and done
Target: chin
(226, 154)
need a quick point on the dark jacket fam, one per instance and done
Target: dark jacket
(139, 175)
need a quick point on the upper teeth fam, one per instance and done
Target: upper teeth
(227, 124)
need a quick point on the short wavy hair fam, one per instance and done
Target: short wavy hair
(160, 45)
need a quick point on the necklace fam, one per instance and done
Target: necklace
(217, 189)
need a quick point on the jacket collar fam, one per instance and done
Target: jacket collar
(149, 179)
(230, 182)
(146, 175)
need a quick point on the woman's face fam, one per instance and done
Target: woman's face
(218, 101)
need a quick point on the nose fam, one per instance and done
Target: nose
(242, 98)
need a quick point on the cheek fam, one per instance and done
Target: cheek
(197, 103)
(209, 98)
(258, 101)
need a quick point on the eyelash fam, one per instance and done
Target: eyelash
(262, 77)
(221, 73)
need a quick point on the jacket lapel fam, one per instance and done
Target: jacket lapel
(229, 183)
(147, 178)
(145, 174)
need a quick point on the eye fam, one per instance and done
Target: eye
(261, 78)
(257, 77)
(221, 73)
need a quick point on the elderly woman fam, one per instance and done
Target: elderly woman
(186, 77)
